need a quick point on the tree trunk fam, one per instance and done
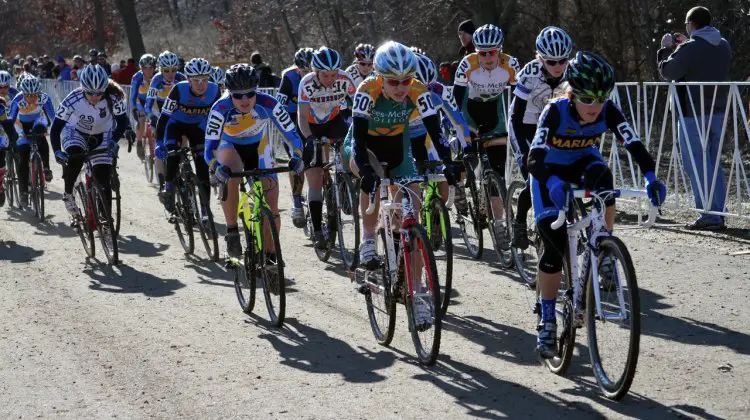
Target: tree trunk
(132, 27)
(287, 26)
(177, 18)
(99, 17)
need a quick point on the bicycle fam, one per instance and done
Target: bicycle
(526, 260)
(586, 299)
(383, 287)
(436, 221)
(12, 193)
(190, 211)
(149, 159)
(340, 206)
(114, 184)
(258, 227)
(36, 185)
(493, 190)
(93, 212)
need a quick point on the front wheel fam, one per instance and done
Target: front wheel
(244, 281)
(526, 260)
(469, 222)
(205, 220)
(614, 334)
(495, 197)
(11, 180)
(83, 227)
(380, 300)
(347, 218)
(183, 217)
(36, 189)
(116, 200)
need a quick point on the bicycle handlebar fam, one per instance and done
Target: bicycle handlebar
(252, 173)
(584, 193)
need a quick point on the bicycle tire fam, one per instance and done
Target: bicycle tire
(560, 363)
(440, 214)
(103, 222)
(469, 224)
(428, 354)
(84, 226)
(347, 193)
(493, 182)
(116, 199)
(11, 181)
(615, 389)
(383, 331)
(208, 234)
(244, 282)
(272, 277)
(183, 218)
(325, 253)
(36, 186)
(526, 261)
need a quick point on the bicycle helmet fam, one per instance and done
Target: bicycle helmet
(147, 60)
(590, 75)
(94, 78)
(364, 52)
(553, 43)
(488, 37)
(197, 67)
(217, 75)
(326, 59)
(395, 60)
(303, 58)
(426, 70)
(241, 77)
(169, 59)
(5, 78)
(29, 85)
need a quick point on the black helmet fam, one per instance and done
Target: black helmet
(590, 75)
(93, 52)
(241, 77)
(303, 58)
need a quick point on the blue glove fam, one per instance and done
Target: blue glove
(114, 147)
(296, 164)
(657, 192)
(161, 151)
(223, 173)
(558, 192)
(61, 157)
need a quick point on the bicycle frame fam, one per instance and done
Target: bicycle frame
(249, 208)
(431, 188)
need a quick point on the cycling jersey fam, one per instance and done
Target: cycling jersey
(325, 102)
(183, 106)
(139, 88)
(287, 94)
(357, 77)
(12, 92)
(158, 92)
(228, 126)
(6, 126)
(485, 85)
(442, 99)
(26, 116)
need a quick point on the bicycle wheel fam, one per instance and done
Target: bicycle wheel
(422, 297)
(270, 271)
(325, 253)
(244, 283)
(205, 220)
(380, 301)
(526, 260)
(36, 187)
(104, 225)
(614, 334)
(183, 217)
(564, 313)
(347, 218)
(499, 232)
(116, 199)
(83, 225)
(442, 248)
(11, 181)
(469, 223)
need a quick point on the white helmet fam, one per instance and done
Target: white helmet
(488, 37)
(554, 43)
(395, 60)
(94, 78)
(169, 59)
(218, 75)
(326, 59)
(29, 84)
(197, 67)
(5, 78)
(426, 70)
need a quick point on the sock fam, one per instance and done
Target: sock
(316, 214)
(548, 310)
(232, 228)
(297, 200)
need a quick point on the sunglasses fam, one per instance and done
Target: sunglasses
(487, 53)
(31, 95)
(243, 95)
(199, 80)
(93, 93)
(168, 70)
(399, 82)
(555, 62)
(591, 100)
(4, 86)
(365, 63)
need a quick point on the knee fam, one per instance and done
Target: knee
(551, 260)
(599, 177)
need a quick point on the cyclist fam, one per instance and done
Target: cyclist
(7, 132)
(185, 113)
(91, 117)
(321, 94)
(422, 146)
(361, 69)
(217, 76)
(379, 133)
(287, 96)
(565, 149)
(7, 92)
(161, 85)
(482, 78)
(139, 87)
(32, 112)
(537, 82)
(237, 139)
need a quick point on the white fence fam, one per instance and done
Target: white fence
(656, 113)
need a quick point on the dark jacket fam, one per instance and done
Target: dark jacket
(705, 57)
(464, 51)
(265, 76)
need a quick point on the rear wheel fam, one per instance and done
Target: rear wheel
(380, 301)
(205, 220)
(183, 218)
(11, 180)
(83, 227)
(564, 315)
(495, 197)
(116, 199)
(325, 253)
(270, 270)
(442, 247)
(526, 260)
(469, 223)
(347, 215)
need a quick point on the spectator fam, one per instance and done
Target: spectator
(265, 74)
(102, 61)
(126, 74)
(94, 56)
(703, 57)
(115, 72)
(45, 70)
(465, 31)
(445, 72)
(63, 69)
(78, 64)
(454, 67)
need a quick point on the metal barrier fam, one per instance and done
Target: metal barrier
(656, 113)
